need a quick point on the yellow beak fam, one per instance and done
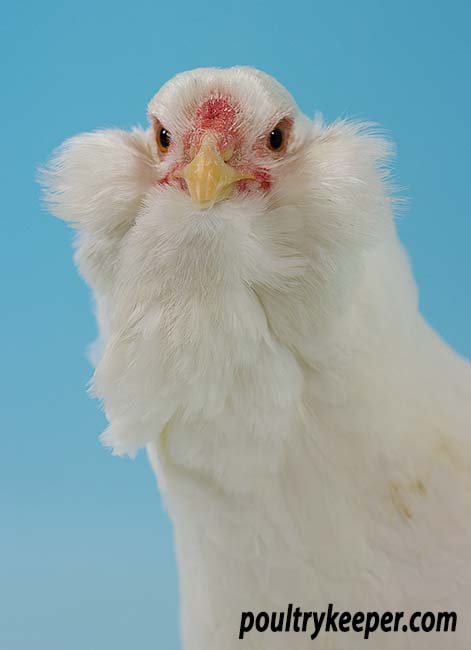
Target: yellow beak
(208, 177)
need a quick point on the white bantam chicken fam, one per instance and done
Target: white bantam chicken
(260, 335)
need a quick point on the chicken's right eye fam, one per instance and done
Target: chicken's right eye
(163, 139)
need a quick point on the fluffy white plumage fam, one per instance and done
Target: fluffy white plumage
(310, 433)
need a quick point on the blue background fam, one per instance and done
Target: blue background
(86, 557)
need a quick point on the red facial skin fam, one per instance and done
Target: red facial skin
(219, 115)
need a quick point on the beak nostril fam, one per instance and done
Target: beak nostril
(227, 153)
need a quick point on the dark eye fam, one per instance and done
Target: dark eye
(276, 139)
(163, 139)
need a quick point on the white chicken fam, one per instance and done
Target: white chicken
(260, 335)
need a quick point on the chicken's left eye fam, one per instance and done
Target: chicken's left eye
(276, 139)
(163, 139)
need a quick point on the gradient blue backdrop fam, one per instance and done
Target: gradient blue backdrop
(86, 557)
